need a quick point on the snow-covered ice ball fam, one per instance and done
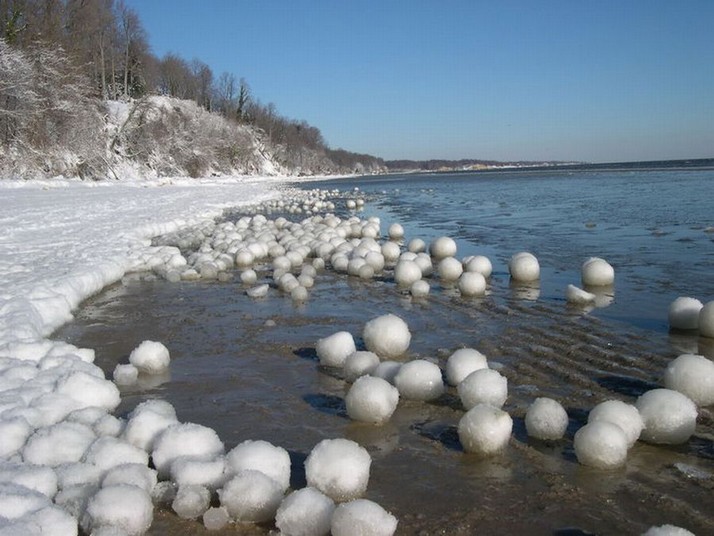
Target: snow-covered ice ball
(387, 370)
(305, 512)
(216, 518)
(334, 349)
(419, 380)
(387, 336)
(407, 272)
(107, 452)
(89, 390)
(148, 420)
(601, 444)
(248, 277)
(442, 247)
(684, 313)
(578, 296)
(667, 530)
(693, 376)
(185, 439)
(358, 364)
(390, 251)
(187, 471)
(416, 245)
(299, 294)
(622, 414)
(396, 231)
(485, 430)
(669, 417)
(64, 442)
(13, 435)
(124, 506)
(251, 496)
(479, 264)
(450, 269)
(125, 374)
(597, 272)
(17, 500)
(524, 266)
(463, 362)
(191, 501)
(133, 474)
(40, 478)
(362, 517)
(546, 419)
(483, 386)
(261, 456)
(76, 474)
(371, 399)
(53, 521)
(420, 289)
(706, 320)
(150, 357)
(472, 284)
(339, 468)
(164, 493)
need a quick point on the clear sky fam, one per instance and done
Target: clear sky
(587, 80)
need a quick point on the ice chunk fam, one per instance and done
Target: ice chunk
(89, 390)
(305, 512)
(251, 496)
(261, 456)
(667, 530)
(150, 357)
(339, 468)
(387, 336)
(216, 518)
(362, 516)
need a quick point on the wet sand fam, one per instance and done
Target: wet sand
(235, 371)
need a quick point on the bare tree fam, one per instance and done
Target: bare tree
(203, 76)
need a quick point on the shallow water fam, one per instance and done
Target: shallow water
(249, 379)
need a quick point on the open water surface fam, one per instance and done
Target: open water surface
(248, 369)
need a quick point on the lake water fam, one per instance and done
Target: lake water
(248, 368)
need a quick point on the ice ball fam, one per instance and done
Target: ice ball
(597, 272)
(305, 512)
(601, 444)
(420, 289)
(524, 267)
(450, 269)
(216, 518)
(133, 474)
(483, 386)
(622, 414)
(89, 390)
(472, 284)
(362, 516)
(125, 374)
(64, 442)
(251, 496)
(442, 247)
(684, 313)
(419, 380)
(188, 471)
(667, 530)
(333, 350)
(123, 506)
(372, 400)
(485, 429)
(387, 336)
(479, 264)
(185, 439)
(387, 370)
(706, 320)
(108, 452)
(191, 501)
(390, 251)
(416, 245)
(358, 364)
(546, 419)
(150, 357)
(463, 362)
(406, 273)
(693, 376)
(13, 435)
(669, 417)
(261, 456)
(339, 468)
(396, 231)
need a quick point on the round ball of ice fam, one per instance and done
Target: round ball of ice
(191, 501)
(305, 512)
(472, 284)
(416, 245)
(261, 456)
(597, 272)
(186, 439)
(420, 289)
(251, 496)
(358, 364)
(64, 442)
(126, 507)
(396, 231)
(150, 357)
(450, 269)
(601, 444)
(390, 251)
(684, 313)
(333, 350)
(706, 320)
(387, 336)
(479, 264)
(419, 380)
(524, 266)
(485, 430)
(463, 362)
(442, 247)
(362, 516)
(483, 386)
(622, 414)
(387, 370)
(669, 417)
(339, 468)
(693, 376)
(371, 400)
(406, 273)
(667, 530)
(546, 419)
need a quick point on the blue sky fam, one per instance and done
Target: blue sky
(598, 81)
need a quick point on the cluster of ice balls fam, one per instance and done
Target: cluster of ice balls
(597, 277)
(150, 357)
